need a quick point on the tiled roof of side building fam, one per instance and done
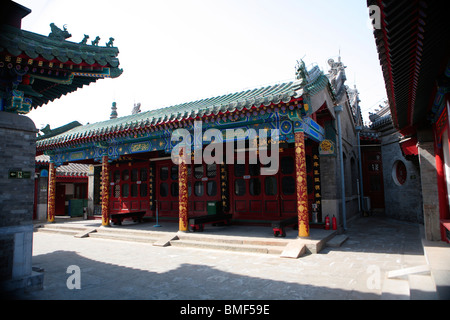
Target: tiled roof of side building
(69, 170)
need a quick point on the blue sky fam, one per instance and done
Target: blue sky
(175, 51)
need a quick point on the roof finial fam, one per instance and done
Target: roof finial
(136, 108)
(300, 72)
(58, 34)
(113, 111)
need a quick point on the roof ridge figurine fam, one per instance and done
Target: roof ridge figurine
(85, 39)
(58, 34)
(96, 41)
(109, 44)
(301, 72)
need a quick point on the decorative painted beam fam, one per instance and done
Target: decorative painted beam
(286, 121)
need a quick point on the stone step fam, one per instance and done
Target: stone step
(236, 244)
(131, 235)
(424, 269)
(413, 283)
(294, 249)
(131, 232)
(123, 237)
(248, 248)
(337, 241)
(422, 287)
(59, 231)
(66, 229)
(395, 289)
(62, 226)
(232, 240)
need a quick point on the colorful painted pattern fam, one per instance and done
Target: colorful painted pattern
(105, 191)
(51, 192)
(302, 186)
(183, 193)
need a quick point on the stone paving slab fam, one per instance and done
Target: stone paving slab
(122, 270)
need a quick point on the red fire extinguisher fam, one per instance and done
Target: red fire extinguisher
(334, 223)
(327, 223)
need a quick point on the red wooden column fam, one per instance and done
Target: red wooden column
(183, 192)
(105, 191)
(51, 197)
(301, 185)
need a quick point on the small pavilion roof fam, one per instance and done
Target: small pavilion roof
(54, 65)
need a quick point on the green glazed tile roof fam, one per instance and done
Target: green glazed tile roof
(56, 66)
(225, 104)
(18, 41)
(206, 107)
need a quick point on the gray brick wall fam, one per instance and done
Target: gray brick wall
(17, 152)
(403, 202)
(429, 185)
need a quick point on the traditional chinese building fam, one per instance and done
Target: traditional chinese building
(71, 189)
(139, 174)
(34, 70)
(414, 51)
(391, 169)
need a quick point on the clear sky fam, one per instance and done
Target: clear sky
(175, 51)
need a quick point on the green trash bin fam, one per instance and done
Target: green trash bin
(213, 207)
(76, 208)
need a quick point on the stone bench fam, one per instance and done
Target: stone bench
(197, 223)
(280, 226)
(117, 218)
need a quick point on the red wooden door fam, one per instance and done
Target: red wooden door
(246, 191)
(270, 186)
(203, 187)
(129, 187)
(257, 197)
(60, 200)
(287, 178)
(167, 188)
(312, 164)
(252, 195)
(373, 177)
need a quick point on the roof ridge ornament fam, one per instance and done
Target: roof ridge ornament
(58, 34)
(85, 39)
(96, 41)
(336, 66)
(113, 111)
(300, 72)
(109, 44)
(136, 108)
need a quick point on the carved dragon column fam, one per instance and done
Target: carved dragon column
(105, 191)
(301, 184)
(183, 192)
(51, 200)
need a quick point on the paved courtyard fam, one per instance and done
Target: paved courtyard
(111, 269)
